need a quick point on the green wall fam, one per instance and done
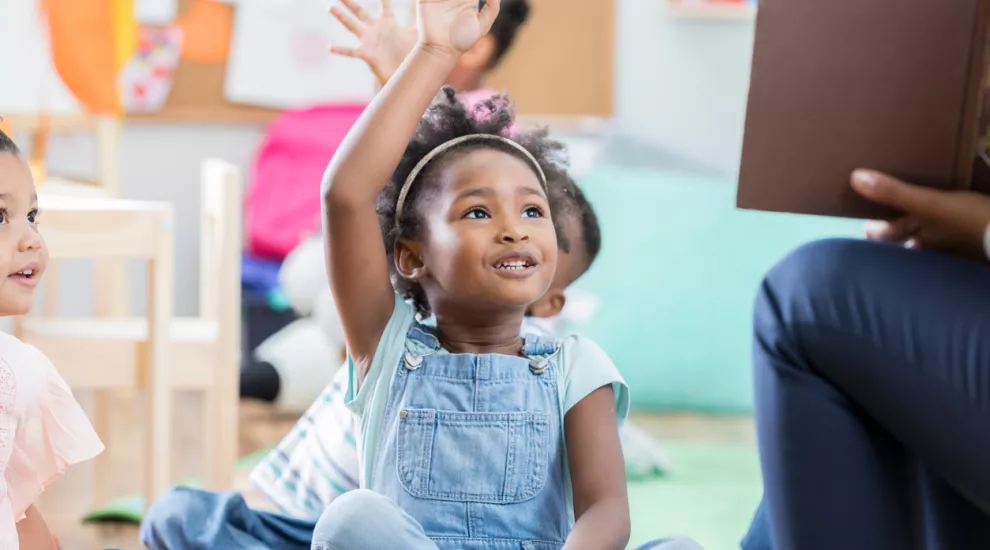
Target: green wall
(677, 278)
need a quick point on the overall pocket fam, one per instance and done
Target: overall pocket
(490, 457)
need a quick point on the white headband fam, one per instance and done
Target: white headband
(453, 143)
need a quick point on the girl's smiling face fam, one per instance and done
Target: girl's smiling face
(23, 255)
(489, 243)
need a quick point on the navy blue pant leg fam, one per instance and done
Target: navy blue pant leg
(872, 380)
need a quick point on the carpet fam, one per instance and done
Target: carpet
(709, 493)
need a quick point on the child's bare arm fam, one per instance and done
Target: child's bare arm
(598, 475)
(356, 261)
(33, 533)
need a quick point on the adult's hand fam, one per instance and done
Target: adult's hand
(948, 221)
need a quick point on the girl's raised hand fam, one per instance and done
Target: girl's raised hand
(454, 26)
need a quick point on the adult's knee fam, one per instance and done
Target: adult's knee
(814, 276)
(354, 520)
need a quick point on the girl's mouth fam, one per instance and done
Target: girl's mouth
(26, 277)
(515, 265)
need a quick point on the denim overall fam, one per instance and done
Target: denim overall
(472, 446)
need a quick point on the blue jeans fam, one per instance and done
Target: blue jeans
(365, 520)
(192, 519)
(872, 378)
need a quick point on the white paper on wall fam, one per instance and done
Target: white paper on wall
(156, 12)
(30, 82)
(279, 55)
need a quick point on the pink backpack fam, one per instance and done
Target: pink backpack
(283, 203)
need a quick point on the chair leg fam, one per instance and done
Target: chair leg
(103, 473)
(221, 403)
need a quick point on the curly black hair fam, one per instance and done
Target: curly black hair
(446, 119)
(512, 15)
(7, 145)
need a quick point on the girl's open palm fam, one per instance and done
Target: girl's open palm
(454, 25)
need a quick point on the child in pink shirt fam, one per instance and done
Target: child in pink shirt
(42, 427)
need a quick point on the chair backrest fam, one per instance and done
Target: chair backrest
(96, 228)
(221, 230)
(106, 131)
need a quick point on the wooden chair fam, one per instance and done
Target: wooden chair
(203, 350)
(111, 229)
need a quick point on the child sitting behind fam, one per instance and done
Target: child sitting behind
(42, 428)
(470, 436)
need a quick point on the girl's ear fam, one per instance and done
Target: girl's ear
(408, 263)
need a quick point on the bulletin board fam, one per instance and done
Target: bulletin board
(212, 61)
(197, 93)
(562, 61)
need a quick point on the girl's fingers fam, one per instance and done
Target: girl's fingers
(346, 52)
(386, 8)
(358, 11)
(346, 20)
(488, 14)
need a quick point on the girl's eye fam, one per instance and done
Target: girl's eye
(33, 216)
(533, 212)
(3, 216)
(476, 214)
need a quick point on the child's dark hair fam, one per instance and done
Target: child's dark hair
(7, 145)
(573, 202)
(445, 120)
(512, 15)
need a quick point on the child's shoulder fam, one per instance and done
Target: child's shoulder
(20, 355)
(575, 346)
(584, 367)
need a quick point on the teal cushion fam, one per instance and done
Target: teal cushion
(676, 279)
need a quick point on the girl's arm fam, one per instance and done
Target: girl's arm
(598, 474)
(364, 162)
(33, 533)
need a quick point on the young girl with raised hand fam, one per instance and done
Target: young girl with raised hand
(42, 428)
(471, 437)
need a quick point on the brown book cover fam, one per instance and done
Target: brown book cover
(892, 85)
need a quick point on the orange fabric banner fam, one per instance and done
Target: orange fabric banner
(82, 44)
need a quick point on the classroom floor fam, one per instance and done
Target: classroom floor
(72, 496)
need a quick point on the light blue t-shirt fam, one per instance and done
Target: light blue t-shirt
(582, 368)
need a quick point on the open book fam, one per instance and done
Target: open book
(898, 86)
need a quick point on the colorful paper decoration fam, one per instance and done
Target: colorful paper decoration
(206, 29)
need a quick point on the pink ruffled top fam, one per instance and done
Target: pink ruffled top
(42, 430)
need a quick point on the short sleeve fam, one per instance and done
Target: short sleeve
(386, 357)
(55, 434)
(584, 368)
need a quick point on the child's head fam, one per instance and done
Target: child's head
(468, 223)
(491, 49)
(23, 255)
(580, 242)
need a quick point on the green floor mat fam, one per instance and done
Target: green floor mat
(128, 509)
(710, 495)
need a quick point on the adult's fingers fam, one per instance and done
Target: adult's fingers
(900, 230)
(890, 191)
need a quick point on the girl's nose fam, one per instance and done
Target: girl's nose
(30, 240)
